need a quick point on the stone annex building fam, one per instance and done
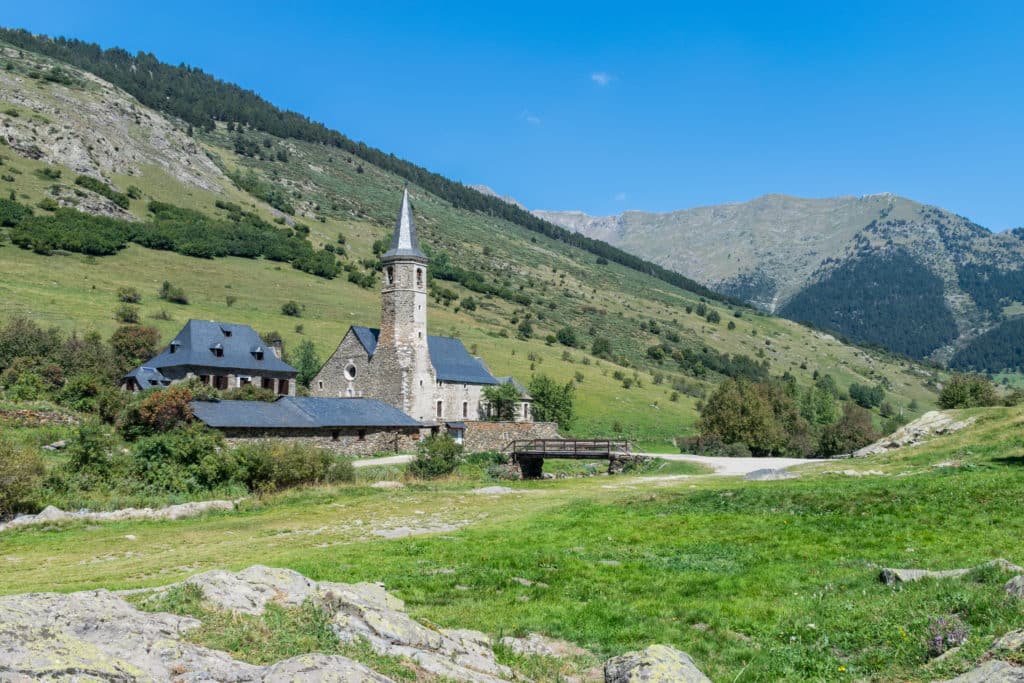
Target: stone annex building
(433, 379)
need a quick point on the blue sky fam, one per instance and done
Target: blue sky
(604, 108)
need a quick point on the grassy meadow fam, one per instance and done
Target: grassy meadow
(756, 580)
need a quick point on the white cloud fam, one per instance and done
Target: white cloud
(601, 78)
(620, 196)
(530, 118)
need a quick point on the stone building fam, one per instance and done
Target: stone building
(432, 379)
(355, 426)
(222, 355)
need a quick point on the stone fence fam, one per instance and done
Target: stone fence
(495, 436)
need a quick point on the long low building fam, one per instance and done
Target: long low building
(353, 426)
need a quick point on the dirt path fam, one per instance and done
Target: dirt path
(728, 467)
(733, 466)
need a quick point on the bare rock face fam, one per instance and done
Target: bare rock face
(925, 428)
(96, 635)
(656, 664)
(891, 576)
(539, 644)
(992, 671)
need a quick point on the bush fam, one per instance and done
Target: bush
(21, 473)
(437, 456)
(867, 397)
(711, 445)
(128, 295)
(266, 466)
(566, 336)
(91, 448)
(968, 391)
(101, 188)
(169, 292)
(291, 308)
(185, 460)
(128, 314)
(159, 411)
(133, 344)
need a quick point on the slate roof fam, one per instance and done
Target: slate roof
(193, 348)
(405, 242)
(449, 356)
(519, 387)
(147, 377)
(300, 412)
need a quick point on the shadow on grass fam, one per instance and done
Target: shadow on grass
(1010, 460)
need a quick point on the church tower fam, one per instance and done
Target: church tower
(402, 357)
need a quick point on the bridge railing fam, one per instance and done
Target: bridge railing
(579, 448)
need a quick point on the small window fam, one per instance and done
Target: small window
(320, 384)
(362, 435)
(526, 411)
(350, 372)
(419, 277)
(465, 409)
(390, 275)
(440, 408)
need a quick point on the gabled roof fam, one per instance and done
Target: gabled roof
(523, 393)
(242, 349)
(449, 356)
(405, 242)
(300, 412)
(147, 377)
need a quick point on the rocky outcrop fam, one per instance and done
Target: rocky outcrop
(656, 664)
(925, 428)
(993, 671)
(770, 475)
(891, 576)
(53, 515)
(541, 645)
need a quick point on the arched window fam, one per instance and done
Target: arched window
(419, 277)
(389, 275)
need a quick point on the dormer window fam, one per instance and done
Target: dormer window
(218, 350)
(257, 353)
(173, 346)
(226, 331)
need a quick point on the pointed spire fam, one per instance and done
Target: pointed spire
(405, 243)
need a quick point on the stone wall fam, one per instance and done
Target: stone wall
(332, 380)
(495, 436)
(341, 441)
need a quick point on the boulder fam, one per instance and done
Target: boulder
(992, 671)
(890, 576)
(929, 425)
(656, 664)
(1015, 587)
(539, 644)
(318, 668)
(1011, 642)
(770, 475)
(492, 491)
(249, 590)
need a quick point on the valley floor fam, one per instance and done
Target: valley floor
(756, 580)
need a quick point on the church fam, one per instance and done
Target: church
(434, 380)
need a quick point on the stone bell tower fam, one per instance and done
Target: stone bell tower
(402, 358)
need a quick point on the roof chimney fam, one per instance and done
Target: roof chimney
(277, 346)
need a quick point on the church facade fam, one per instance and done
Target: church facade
(434, 380)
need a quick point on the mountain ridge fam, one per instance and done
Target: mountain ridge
(775, 251)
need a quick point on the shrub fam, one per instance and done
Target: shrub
(525, 329)
(711, 445)
(134, 344)
(438, 455)
(566, 336)
(968, 391)
(602, 347)
(867, 397)
(169, 292)
(101, 188)
(21, 473)
(267, 466)
(160, 411)
(128, 295)
(80, 392)
(128, 314)
(291, 308)
(183, 460)
(91, 448)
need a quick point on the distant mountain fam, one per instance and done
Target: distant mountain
(483, 189)
(881, 269)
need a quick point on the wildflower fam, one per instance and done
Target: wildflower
(842, 668)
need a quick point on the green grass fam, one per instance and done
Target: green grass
(780, 577)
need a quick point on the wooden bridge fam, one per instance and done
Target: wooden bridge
(530, 454)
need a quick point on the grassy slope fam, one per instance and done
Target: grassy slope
(569, 288)
(784, 574)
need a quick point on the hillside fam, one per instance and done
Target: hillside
(881, 269)
(664, 346)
